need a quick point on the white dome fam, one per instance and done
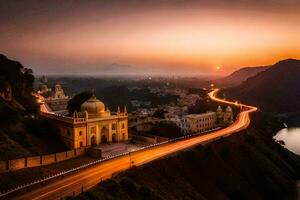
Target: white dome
(228, 109)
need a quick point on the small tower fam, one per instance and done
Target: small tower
(220, 115)
(219, 112)
(59, 92)
(44, 80)
(228, 115)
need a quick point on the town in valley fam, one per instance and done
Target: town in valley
(149, 100)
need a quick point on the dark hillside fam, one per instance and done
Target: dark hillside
(248, 165)
(17, 80)
(239, 76)
(275, 89)
(21, 133)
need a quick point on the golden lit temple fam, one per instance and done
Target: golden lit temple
(92, 125)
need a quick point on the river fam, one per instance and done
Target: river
(291, 139)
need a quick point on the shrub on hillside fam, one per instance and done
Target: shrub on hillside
(8, 114)
(41, 127)
(165, 129)
(128, 186)
(146, 194)
(109, 186)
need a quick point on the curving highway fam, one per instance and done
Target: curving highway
(90, 176)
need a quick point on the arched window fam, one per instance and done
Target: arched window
(93, 141)
(113, 126)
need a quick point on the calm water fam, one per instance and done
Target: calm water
(291, 138)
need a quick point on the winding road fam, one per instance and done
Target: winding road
(88, 177)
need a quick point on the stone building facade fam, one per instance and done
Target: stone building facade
(194, 123)
(58, 101)
(56, 98)
(197, 122)
(92, 125)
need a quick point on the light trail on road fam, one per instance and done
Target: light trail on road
(91, 176)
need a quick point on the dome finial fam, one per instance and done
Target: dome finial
(93, 94)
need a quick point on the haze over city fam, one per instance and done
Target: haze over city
(149, 37)
(149, 99)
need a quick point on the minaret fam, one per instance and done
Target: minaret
(125, 110)
(118, 111)
(86, 115)
(75, 116)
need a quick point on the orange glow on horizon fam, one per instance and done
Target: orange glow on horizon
(190, 38)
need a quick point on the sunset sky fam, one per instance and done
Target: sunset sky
(149, 37)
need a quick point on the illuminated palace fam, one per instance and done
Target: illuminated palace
(92, 125)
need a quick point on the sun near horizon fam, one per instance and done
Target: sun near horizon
(194, 37)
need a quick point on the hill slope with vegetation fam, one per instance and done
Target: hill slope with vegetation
(239, 76)
(275, 89)
(21, 133)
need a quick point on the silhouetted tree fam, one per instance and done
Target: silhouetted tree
(20, 80)
(159, 114)
(77, 100)
(165, 129)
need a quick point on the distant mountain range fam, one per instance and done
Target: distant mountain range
(237, 77)
(275, 89)
(115, 68)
